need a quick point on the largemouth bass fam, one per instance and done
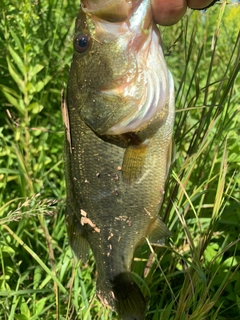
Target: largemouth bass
(118, 119)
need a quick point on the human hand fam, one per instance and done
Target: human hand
(168, 12)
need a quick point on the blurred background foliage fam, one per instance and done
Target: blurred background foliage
(195, 276)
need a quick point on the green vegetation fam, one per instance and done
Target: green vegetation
(196, 274)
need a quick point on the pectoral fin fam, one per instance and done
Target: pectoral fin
(133, 161)
(158, 232)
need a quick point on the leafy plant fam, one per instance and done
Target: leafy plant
(196, 274)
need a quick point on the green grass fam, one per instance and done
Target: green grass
(196, 274)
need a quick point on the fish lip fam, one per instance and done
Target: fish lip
(109, 10)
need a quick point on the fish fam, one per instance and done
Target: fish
(118, 115)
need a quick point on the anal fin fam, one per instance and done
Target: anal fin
(159, 232)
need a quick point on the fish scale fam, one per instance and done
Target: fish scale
(98, 188)
(115, 183)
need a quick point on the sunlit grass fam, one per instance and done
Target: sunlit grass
(196, 274)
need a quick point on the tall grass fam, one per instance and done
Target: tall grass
(196, 274)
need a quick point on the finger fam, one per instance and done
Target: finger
(199, 4)
(168, 12)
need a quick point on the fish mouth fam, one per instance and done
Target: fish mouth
(123, 15)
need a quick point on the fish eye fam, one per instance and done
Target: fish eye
(82, 42)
